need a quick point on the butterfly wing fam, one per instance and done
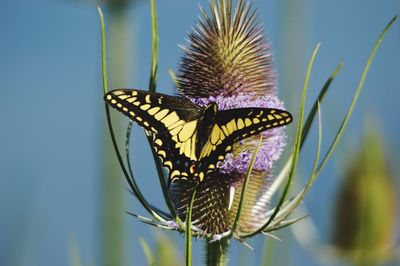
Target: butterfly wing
(172, 121)
(236, 124)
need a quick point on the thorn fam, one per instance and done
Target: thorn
(231, 197)
(219, 236)
(245, 244)
(272, 236)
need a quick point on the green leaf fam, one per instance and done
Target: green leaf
(152, 88)
(147, 251)
(298, 136)
(103, 51)
(285, 223)
(321, 96)
(173, 77)
(154, 47)
(159, 224)
(293, 203)
(310, 118)
(130, 179)
(295, 154)
(355, 97)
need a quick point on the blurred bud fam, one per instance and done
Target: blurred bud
(365, 210)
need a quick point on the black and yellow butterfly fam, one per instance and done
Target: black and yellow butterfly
(190, 140)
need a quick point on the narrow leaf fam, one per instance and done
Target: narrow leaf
(152, 88)
(285, 223)
(154, 47)
(298, 135)
(310, 119)
(321, 95)
(355, 97)
(173, 77)
(147, 251)
(292, 204)
(103, 51)
(295, 154)
(129, 179)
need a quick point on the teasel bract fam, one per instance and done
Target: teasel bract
(227, 60)
(365, 217)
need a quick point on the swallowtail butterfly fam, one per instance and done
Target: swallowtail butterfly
(189, 139)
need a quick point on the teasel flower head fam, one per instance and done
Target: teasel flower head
(227, 61)
(366, 207)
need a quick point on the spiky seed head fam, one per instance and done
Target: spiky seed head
(226, 54)
(227, 61)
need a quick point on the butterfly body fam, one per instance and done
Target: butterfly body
(189, 139)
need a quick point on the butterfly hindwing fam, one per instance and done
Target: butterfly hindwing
(236, 124)
(172, 121)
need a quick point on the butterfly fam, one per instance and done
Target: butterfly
(189, 139)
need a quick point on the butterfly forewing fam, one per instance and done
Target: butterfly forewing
(236, 124)
(172, 121)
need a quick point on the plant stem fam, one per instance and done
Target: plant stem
(113, 196)
(216, 252)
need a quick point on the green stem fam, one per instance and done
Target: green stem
(216, 252)
(188, 230)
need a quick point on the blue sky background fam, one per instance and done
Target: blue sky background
(52, 118)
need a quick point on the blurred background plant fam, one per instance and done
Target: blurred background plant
(121, 31)
(50, 171)
(365, 212)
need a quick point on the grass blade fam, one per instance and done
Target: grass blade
(310, 119)
(154, 47)
(284, 224)
(298, 135)
(103, 51)
(152, 88)
(293, 203)
(295, 153)
(147, 251)
(355, 97)
(173, 77)
(162, 225)
(129, 179)
(321, 95)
